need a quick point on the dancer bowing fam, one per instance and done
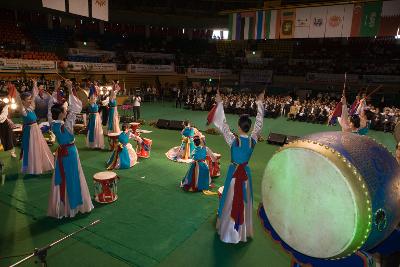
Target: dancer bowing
(198, 176)
(183, 152)
(69, 192)
(35, 153)
(113, 118)
(234, 222)
(95, 137)
(124, 156)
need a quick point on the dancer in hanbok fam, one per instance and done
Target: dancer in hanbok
(183, 152)
(235, 222)
(198, 176)
(124, 156)
(113, 117)
(6, 133)
(35, 153)
(69, 193)
(350, 123)
(95, 137)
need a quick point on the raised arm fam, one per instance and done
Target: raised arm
(343, 119)
(259, 118)
(74, 108)
(220, 121)
(35, 92)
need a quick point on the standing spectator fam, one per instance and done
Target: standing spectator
(178, 100)
(136, 106)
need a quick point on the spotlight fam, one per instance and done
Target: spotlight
(6, 100)
(13, 106)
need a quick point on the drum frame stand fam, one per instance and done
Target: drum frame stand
(41, 253)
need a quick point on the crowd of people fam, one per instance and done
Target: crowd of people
(317, 109)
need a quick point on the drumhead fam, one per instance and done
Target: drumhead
(113, 134)
(134, 123)
(107, 175)
(310, 203)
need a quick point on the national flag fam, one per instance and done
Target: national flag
(287, 28)
(100, 9)
(390, 18)
(248, 22)
(334, 21)
(371, 19)
(302, 23)
(54, 4)
(79, 7)
(272, 24)
(347, 20)
(260, 25)
(318, 22)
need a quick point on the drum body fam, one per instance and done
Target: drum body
(330, 194)
(113, 140)
(143, 151)
(220, 191)
(105, 187)
(214, 166)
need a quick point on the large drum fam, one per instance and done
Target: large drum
(113, 140)
(330, 194)
(105, 187)
(214, 166)
(143, 151)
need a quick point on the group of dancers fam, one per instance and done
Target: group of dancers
(69, 191)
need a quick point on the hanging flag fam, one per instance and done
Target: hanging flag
(371, 19)
(302, 23)
(238, 27)
(232, 26)
(288, 17)
(272, 24)
(347, 20)
(334, 21)
(248, 23)
(260, 25)
(79, 7)
(356, 20)
(54, 4)
(100, 9)
(390, 18)
(318, 22)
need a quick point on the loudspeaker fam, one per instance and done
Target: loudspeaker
(291, 138)
(276, 139)
(176, 125)
(163, 124)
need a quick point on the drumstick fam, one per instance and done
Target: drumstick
(62, 77)
(376, 89)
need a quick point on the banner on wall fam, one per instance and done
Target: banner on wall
(88, 66)
(26, 64)
(151, 55)
(100, 9)
(381, 78)
(209, 72)
(54, 4)
(250, 76)
(287, 28)
(79, 7)
(302, 23)
(331, 77)
(145, 68)
(90, 52)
